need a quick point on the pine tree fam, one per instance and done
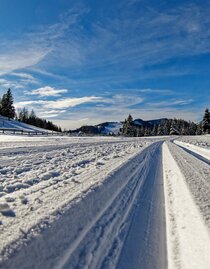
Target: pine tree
(199, 129)
(32, 118)
(128, 128)
(206, 121)
(7, 108)
(159, 130)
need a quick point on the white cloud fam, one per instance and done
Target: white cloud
(46, 116)
(182, 102)
(126, 100)
(31, 103)
(6, 84)
(60, 103)
(22, 75)
(121, 100)
(155, 91)
(50, 113)
(71, 102)
(171, 102)
(47, 91)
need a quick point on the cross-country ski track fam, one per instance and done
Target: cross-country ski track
(123, 203)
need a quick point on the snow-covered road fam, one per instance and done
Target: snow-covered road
(102, 203)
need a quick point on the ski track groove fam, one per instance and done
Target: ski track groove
(121, 197)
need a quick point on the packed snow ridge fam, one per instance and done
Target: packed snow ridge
(104, 202)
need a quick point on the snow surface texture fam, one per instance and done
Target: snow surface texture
(37, 182)
(188, 237)
(100, 203)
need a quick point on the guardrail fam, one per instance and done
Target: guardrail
(26, 132)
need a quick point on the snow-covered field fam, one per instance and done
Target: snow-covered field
(104, 202)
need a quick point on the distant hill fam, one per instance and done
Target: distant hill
(110, 127)
(148, 123)
(114, 128)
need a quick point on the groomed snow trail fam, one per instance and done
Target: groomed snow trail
(102, 203)
(90, 234)
(101, 243)
(145, 244)
(188, 238)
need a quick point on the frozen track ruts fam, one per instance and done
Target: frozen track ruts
(144, 246)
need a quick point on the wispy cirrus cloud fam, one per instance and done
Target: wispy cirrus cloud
(23, 75)
(32, 47)
(6, 84)
(130, 43)
(59, 103)
(170, 103)
(18, 57)
(162, 35)
(125, 100)
(46, 91)
(17, 81)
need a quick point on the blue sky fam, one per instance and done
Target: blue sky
(88, 61)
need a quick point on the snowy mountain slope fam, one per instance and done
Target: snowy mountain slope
(110, 127)
(13, 124)
(100, 203)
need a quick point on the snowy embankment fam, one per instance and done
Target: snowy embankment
(188, 240)
(6, 123)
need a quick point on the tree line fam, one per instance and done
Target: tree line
(167, 127)
(7, 109)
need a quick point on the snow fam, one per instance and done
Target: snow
(102, 202)
(50, 177)
(186, 230)
(202, 141)
(204, 152)
(6, 123)
(112, 128)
